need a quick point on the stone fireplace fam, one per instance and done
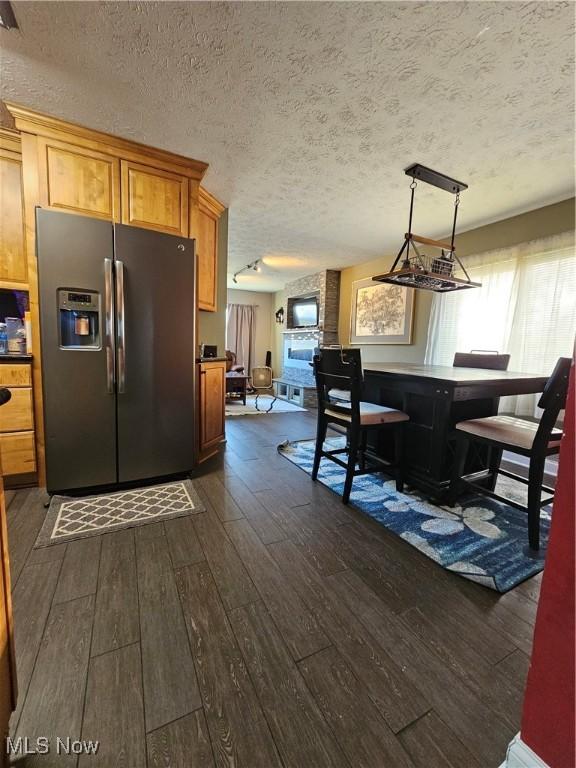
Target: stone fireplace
(298, 351)
(299, 344)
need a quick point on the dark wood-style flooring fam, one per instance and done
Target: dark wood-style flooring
(278, 628)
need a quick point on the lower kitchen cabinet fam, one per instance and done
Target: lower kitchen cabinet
(17, 451)
(17, 437)
(212, 394)
(17, 414)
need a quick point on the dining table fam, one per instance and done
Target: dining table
(436, 398)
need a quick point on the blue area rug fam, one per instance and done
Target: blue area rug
(480, 539)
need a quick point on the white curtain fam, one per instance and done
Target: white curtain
(526, 307)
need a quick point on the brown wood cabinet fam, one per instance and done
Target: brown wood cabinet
(13, 266)
(209, 211)
(17, 415)
(154, 199)
(75, 169)
(78, 179)
(17, 449)
(212, 394)
(15, 374)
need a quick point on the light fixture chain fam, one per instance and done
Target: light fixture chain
(413, 189)
(456, 204)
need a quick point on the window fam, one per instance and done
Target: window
(526, 307)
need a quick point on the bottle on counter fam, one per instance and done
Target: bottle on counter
(28, 327)
(21, 341)
(3, 339)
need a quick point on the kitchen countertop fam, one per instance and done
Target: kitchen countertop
(210, 359)
(14, 358)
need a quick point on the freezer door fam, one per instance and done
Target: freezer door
(155, 323)
(78, 386)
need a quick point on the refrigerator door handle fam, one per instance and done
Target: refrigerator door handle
(120, 327)
(109, 325)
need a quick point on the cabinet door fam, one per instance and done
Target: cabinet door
(17, 413)
(154, 199)
(207, 254)
(78, 180)
(13, 266)
(17, 452)
(212, 394)
(15, 375)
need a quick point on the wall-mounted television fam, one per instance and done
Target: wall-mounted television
(304, 312)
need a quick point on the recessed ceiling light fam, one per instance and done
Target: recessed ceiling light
(7, 18)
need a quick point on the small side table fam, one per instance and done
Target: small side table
(236, 384)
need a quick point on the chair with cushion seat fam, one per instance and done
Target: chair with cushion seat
(341, 370)
(535, 441)
(481, 359)
(488, 359)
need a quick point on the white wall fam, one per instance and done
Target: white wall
(264, 309)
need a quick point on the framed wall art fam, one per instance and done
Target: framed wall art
(381, 313)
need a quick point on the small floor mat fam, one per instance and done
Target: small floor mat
(70, 518)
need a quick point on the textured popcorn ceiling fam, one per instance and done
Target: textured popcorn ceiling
(308, 112)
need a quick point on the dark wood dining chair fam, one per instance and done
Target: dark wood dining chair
(481, 359)
(536, 441)
(341, 369)
(491, 360)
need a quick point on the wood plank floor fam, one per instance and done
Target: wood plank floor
(278, 628)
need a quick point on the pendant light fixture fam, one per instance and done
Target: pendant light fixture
(418, 270)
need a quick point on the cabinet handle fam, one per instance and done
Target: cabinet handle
(109, 326)
(120, 327)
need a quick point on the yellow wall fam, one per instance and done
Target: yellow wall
(528, 226)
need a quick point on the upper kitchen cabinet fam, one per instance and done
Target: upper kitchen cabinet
(154, 198)
(209, 211)
(78, 179)
(97, 174)
(13, 268)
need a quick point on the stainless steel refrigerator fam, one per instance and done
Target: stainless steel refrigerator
(118, 313)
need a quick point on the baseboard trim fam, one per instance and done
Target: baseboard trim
(519, 755)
